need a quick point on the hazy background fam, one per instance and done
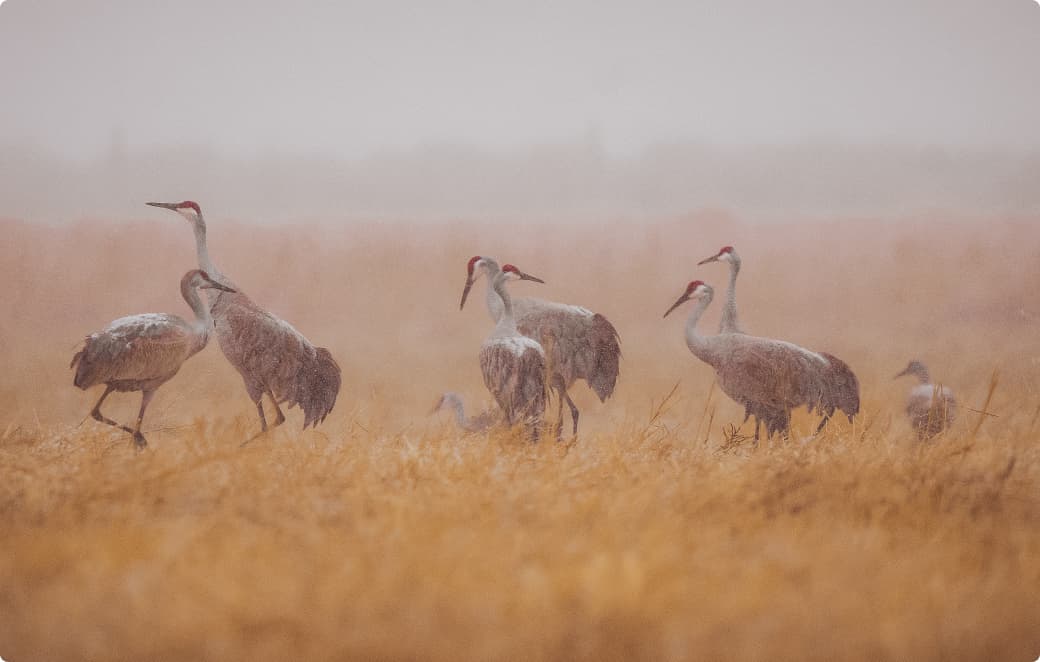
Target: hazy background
(274, 111)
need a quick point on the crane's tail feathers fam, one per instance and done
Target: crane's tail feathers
(318, 388)
(76, 358)
(842, 390)
(86, 371)
(606, 345)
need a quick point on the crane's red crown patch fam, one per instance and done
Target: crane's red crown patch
(725, 249)
(192, 205)
(693, 285)
(510, 268)
(472, 261)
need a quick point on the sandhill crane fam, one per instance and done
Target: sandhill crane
(272, 356)
(512, 363)
(143, 352)
(729, 323)
(477, 423)
(581, 344)
(931, 407)
(842, 386)
(768, 377)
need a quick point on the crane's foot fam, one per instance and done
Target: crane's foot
(139, 441)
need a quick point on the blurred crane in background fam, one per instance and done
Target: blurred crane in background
(931, 407)
(483, 421)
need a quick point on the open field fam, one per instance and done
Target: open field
(386, 534)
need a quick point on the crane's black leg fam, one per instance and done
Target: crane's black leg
(574, 411)
(96, 414)
(823, 421)
(280, 418)
(139, 440)
(561, 393)
(256, 394)
(263, 420)
(260, 412)
(784, 425)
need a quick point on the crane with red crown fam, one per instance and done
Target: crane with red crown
(272, 356)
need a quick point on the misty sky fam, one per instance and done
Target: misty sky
(353, 78)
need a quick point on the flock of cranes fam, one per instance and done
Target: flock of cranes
(535, 347)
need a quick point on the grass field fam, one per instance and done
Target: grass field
(660, 533)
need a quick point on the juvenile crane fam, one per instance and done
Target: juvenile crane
(842, 385)
(143, 352)
(477, 423)
(272, 356)
(931, 407)
(581, 344)
(514, 364)
(768, 377)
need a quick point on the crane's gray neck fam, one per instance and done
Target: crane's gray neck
(455, 402)
(493, 300)
(202, 250)
(203, 321)
(205, 263)
(703, 348)
(729, 322)
(506, 325)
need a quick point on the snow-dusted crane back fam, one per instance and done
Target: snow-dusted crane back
(143, 352)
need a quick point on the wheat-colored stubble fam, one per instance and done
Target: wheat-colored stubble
(387, 534)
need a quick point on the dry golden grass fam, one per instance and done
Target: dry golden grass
(658, 534)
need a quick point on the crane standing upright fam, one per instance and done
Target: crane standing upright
(842, 385)
(769, 377)
(143, 352)
(513, 365)
(581, 344)
(272, 356)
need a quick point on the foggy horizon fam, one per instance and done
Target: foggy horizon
(395, 109)
(354, 79)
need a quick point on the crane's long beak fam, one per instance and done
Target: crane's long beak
(164, 205)
(465, 290)
(713, 258)
(902, 374)
(683, 299)
(524, 276)
(214, 285)
(437, 407)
